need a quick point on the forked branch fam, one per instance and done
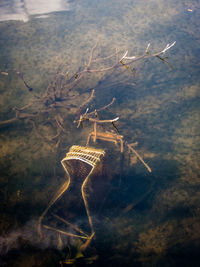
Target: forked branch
(58, 99)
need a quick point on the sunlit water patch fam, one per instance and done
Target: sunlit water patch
(22, 10)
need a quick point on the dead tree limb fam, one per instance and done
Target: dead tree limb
(57, 98)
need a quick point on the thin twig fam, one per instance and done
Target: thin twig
(140, 158)
(105, 58)
(87, 101)
(71, 225)
(102, 108)
(63, 232)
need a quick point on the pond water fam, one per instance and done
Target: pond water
(49, 66)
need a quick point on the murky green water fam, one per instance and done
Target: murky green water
(140, 218)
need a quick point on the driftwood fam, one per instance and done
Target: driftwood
(109, 136)
(52, 106)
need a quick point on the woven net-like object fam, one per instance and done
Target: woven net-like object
(88, 155)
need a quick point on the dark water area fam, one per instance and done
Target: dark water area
(49, 57)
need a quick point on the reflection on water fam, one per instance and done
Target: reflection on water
(140, 218)
(22, 9)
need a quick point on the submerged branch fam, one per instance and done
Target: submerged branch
(7, 122)
(139, 157)
(57, 98)
(86, 102)
(102, 108)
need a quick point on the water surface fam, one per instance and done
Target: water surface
(141, 218)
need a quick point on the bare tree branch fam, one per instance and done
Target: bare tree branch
(57, 98)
